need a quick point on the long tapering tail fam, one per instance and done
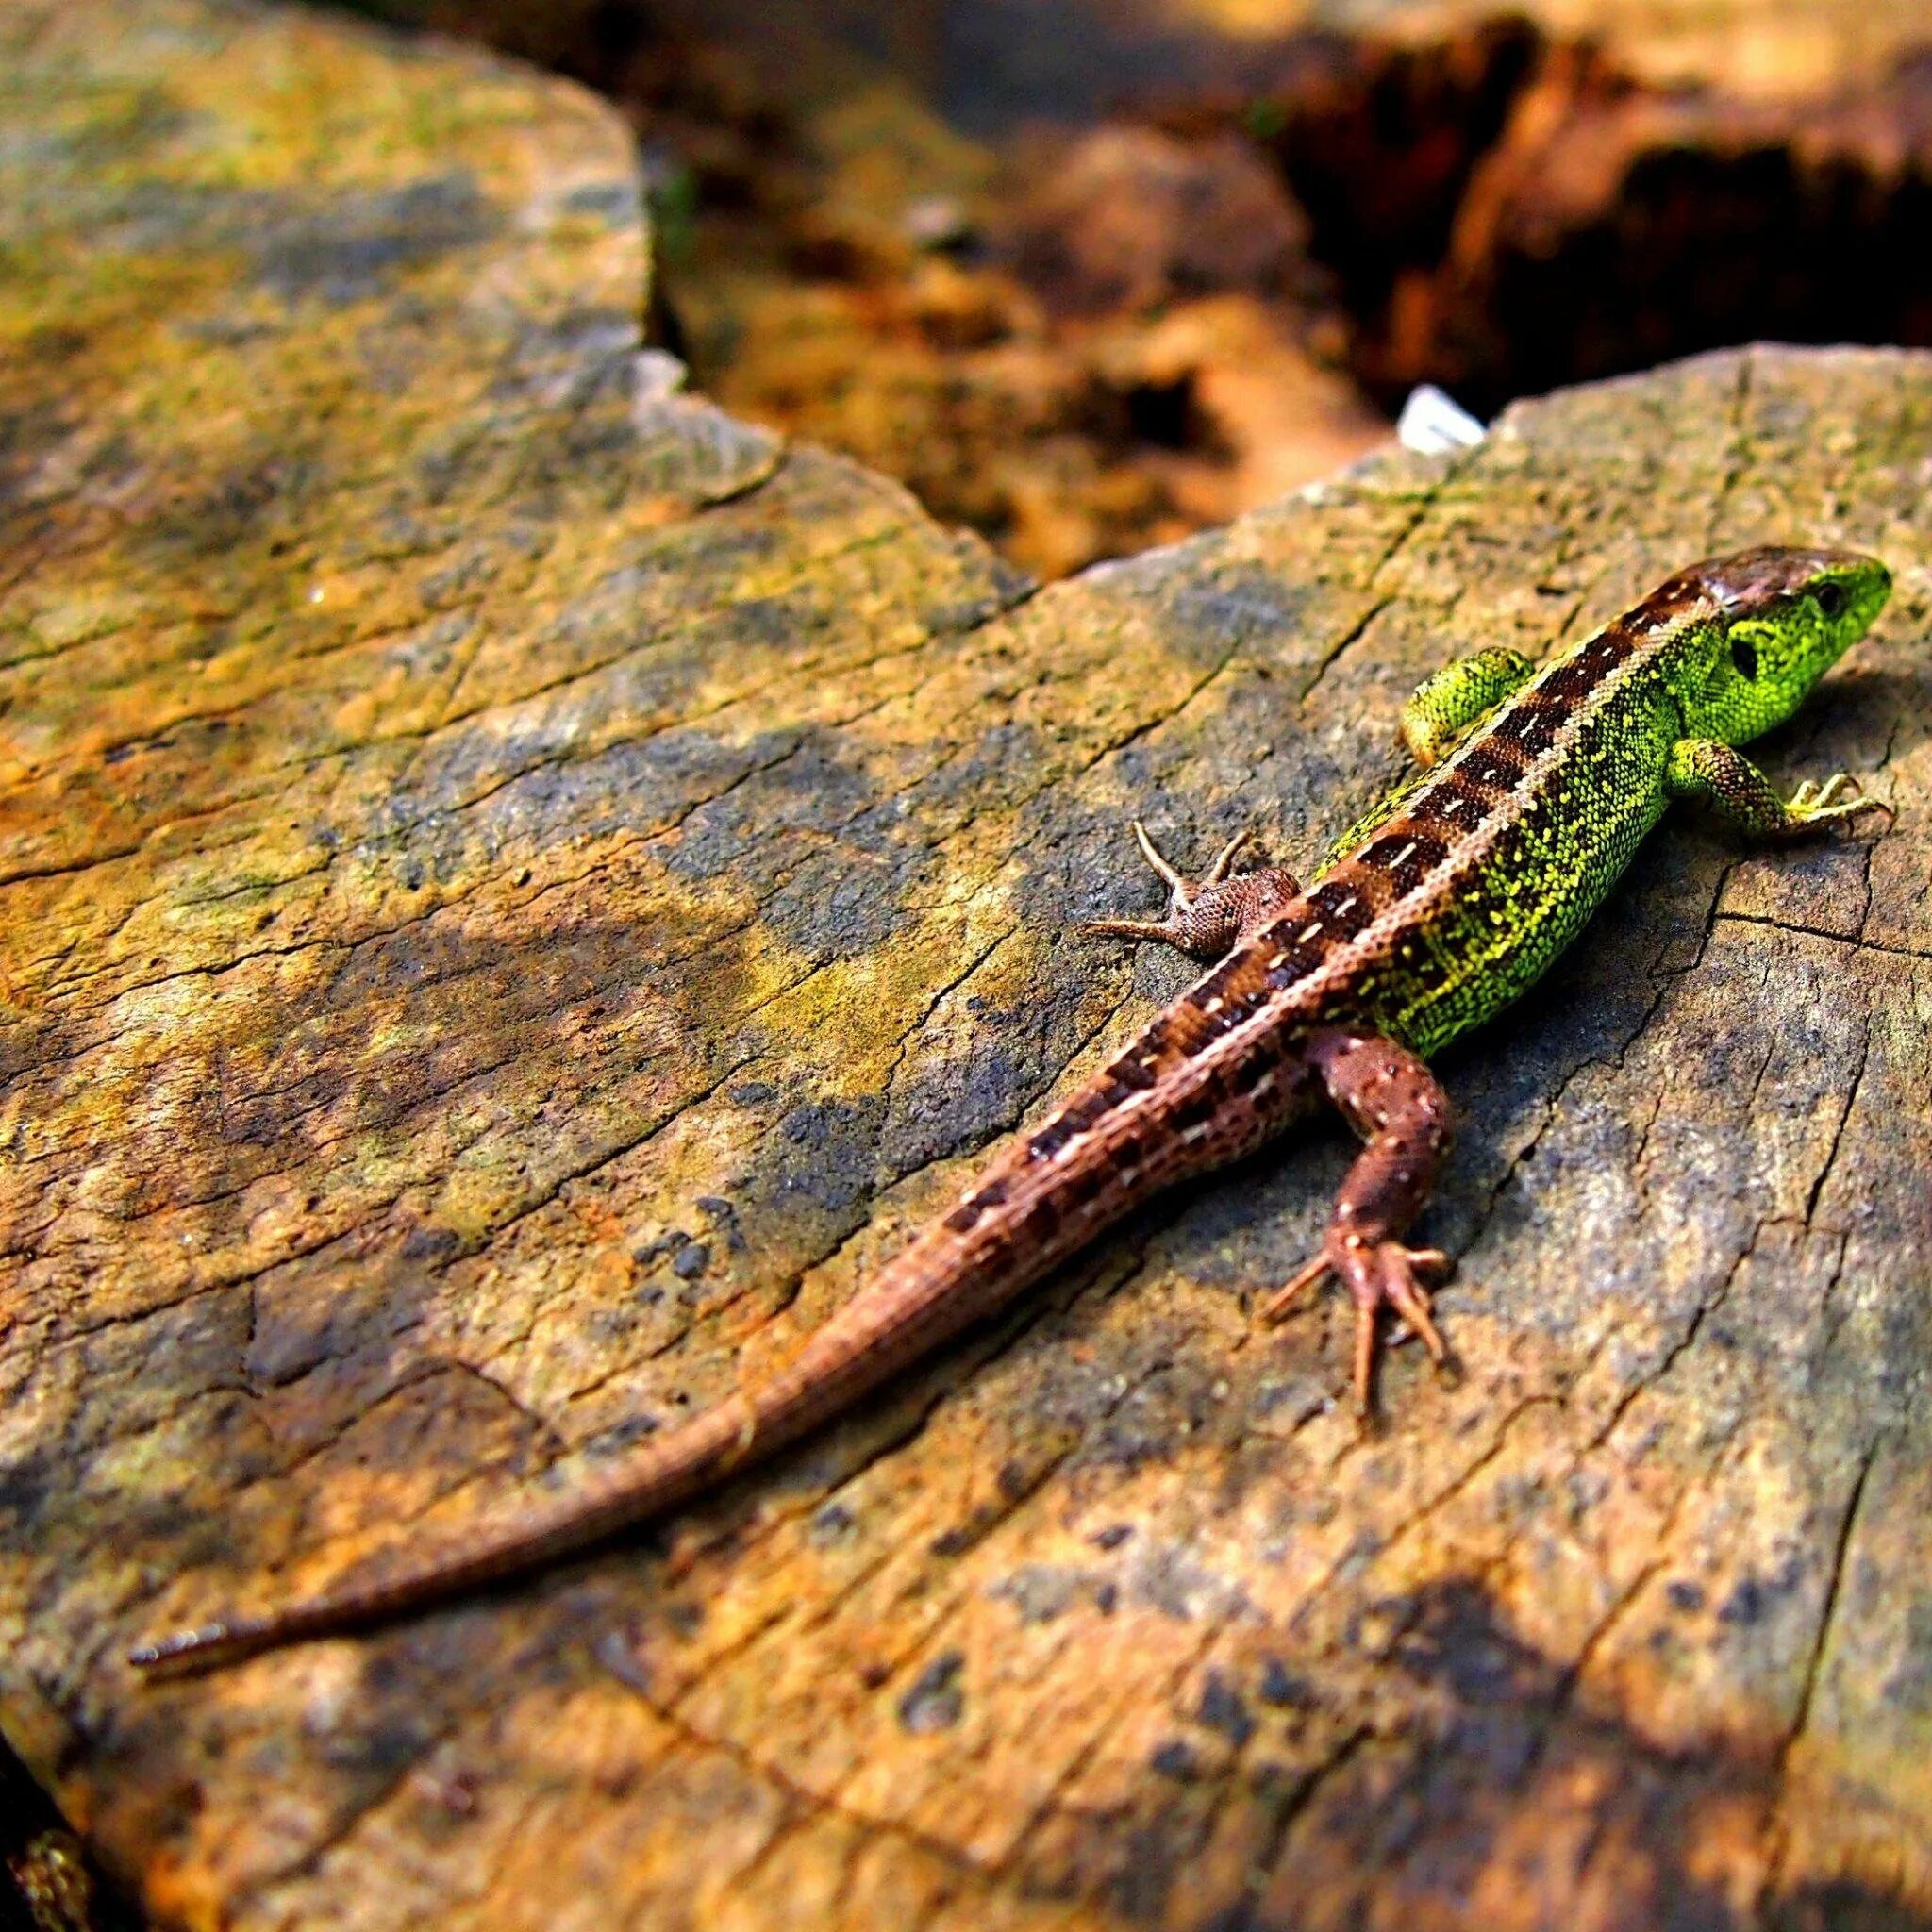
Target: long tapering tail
(939, 1285)
(1189, 1093)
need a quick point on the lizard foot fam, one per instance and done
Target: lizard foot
(1205, 916)
(1377, 1273)
(1838, 797)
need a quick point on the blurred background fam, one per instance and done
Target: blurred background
(1088, 275)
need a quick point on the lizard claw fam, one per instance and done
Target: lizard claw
(1181, 893)
(1184, 892)
(1837, 797)
(1376, 1274)
(1205, 916)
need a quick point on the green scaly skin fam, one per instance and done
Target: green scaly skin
(1449, 900)
(1707, 673)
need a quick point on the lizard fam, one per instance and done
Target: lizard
(1533, 790)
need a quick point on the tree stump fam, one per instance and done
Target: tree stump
(519, 889)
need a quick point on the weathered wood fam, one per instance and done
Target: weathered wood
(518, 889)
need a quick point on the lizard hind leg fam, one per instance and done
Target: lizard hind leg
(1206, 916)
(1400, 1111)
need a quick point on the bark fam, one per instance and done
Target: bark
(519, 889)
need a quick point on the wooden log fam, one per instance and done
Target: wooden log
(518, 889)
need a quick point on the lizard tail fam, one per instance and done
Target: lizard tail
(935, 1286)
(1105, 1151)
(658, 1476)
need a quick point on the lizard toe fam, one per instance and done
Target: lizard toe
(1377, 1274)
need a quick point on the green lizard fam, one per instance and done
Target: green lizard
(1449, 900)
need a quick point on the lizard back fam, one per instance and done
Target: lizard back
(1455, 898)
(1487, 869)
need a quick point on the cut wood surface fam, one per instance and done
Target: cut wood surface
(519, 889)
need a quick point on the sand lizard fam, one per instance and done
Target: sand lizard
(1442, 905)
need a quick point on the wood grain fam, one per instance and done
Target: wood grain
(519, 888)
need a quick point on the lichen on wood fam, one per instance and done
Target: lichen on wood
(519, 889)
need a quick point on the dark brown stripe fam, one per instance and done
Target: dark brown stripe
(1238, 1004)
(1571, 682)
(1674, 598)
(1574, 682)
(1533, 722)
(1403, 853)
(1267, 1055)
(1298, 959)
(1344, 910)
(1374, 885)
(1242, 1005)
(1451, 800)
(1221, 982)
(1052, 1138)
(1040, 1222)
(1134, 1071)
(1236, 991)
(1198, 1108)
(1079, 1185)
(1496, 763)
(1100, 1100)
(1176, 1036)
(969, 1213)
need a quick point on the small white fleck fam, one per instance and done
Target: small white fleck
(1302, 938)
(1433, 424)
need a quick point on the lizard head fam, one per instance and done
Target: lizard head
(1764, 625)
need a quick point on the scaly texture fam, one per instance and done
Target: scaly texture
(459, 1019)
(1472, 884)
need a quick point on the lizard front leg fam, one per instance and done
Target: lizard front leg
(1443, 711)
(1402, 1114)
(1447, 705)
(1720, 777)
(1204, 918)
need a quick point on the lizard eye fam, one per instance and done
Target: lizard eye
(1744, 656)
(1831, 599)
